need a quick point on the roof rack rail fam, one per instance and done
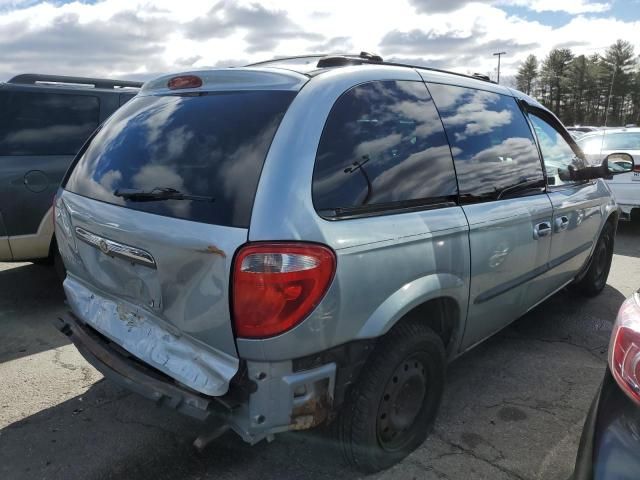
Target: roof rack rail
(284, 59)
(368, 58)
(343, 60)
(482, 76)
(35, 78)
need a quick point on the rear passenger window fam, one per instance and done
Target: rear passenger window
(46, 123)
(493, 148)
(383, 146)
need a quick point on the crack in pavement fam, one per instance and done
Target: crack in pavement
(428, 468)
(589, 350)
(474, 455)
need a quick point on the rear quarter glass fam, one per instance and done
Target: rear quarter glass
(210, 144)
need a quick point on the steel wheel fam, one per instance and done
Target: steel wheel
(402, 400)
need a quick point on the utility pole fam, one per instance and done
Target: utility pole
(613, 78)
(606, 112)
(499, 54)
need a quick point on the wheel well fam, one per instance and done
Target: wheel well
(613, 218)
(440, 314)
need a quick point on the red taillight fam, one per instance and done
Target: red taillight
(624, 350)
(636, 167)
(184, 81)
(276, 285)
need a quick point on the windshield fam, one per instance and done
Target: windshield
(207, 144)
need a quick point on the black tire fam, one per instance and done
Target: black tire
(388, 413)
(46, 261)
(595, 279)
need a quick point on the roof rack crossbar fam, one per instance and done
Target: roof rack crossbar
(34, 78)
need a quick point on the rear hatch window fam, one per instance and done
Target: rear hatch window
(208, 146)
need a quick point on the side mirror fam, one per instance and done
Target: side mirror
(617, 163)
(614, 164)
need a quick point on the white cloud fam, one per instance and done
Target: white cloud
(568, 6)
(137, 38)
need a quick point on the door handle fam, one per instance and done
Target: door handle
(562, 223)
(541, 230)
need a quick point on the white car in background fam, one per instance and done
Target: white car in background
(625, 187)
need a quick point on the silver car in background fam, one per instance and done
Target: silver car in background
(273, 247)
(598, 145)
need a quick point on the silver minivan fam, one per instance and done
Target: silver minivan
(275, 247)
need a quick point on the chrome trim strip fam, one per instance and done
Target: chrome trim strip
(115, 249)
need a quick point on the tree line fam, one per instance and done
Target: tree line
(586, 90)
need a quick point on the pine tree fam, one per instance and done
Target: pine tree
(527, 74)
(553, 75)
(620, 59)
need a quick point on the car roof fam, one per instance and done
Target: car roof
(609, 131)
(313, 65)
(291, 73)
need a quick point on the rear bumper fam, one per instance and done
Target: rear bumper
(117, 365)
(271, 398)
(627, 196)
(140, 332)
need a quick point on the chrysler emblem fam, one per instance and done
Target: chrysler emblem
(115, 249)
(103, 246)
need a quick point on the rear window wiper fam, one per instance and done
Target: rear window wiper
(158, 193)
(526, 184)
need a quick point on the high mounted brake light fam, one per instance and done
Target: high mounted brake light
(276, 285)
(184, 81)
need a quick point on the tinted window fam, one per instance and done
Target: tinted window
(556, 151)
(383, 143)
(125, 97)
(210, 145)
(491, 141)
(46, 123)
(622, 141)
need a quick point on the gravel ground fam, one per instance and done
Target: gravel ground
(513, 407)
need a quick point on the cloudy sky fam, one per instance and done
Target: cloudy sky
(140, 38)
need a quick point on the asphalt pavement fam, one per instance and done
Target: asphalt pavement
(513, 407)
